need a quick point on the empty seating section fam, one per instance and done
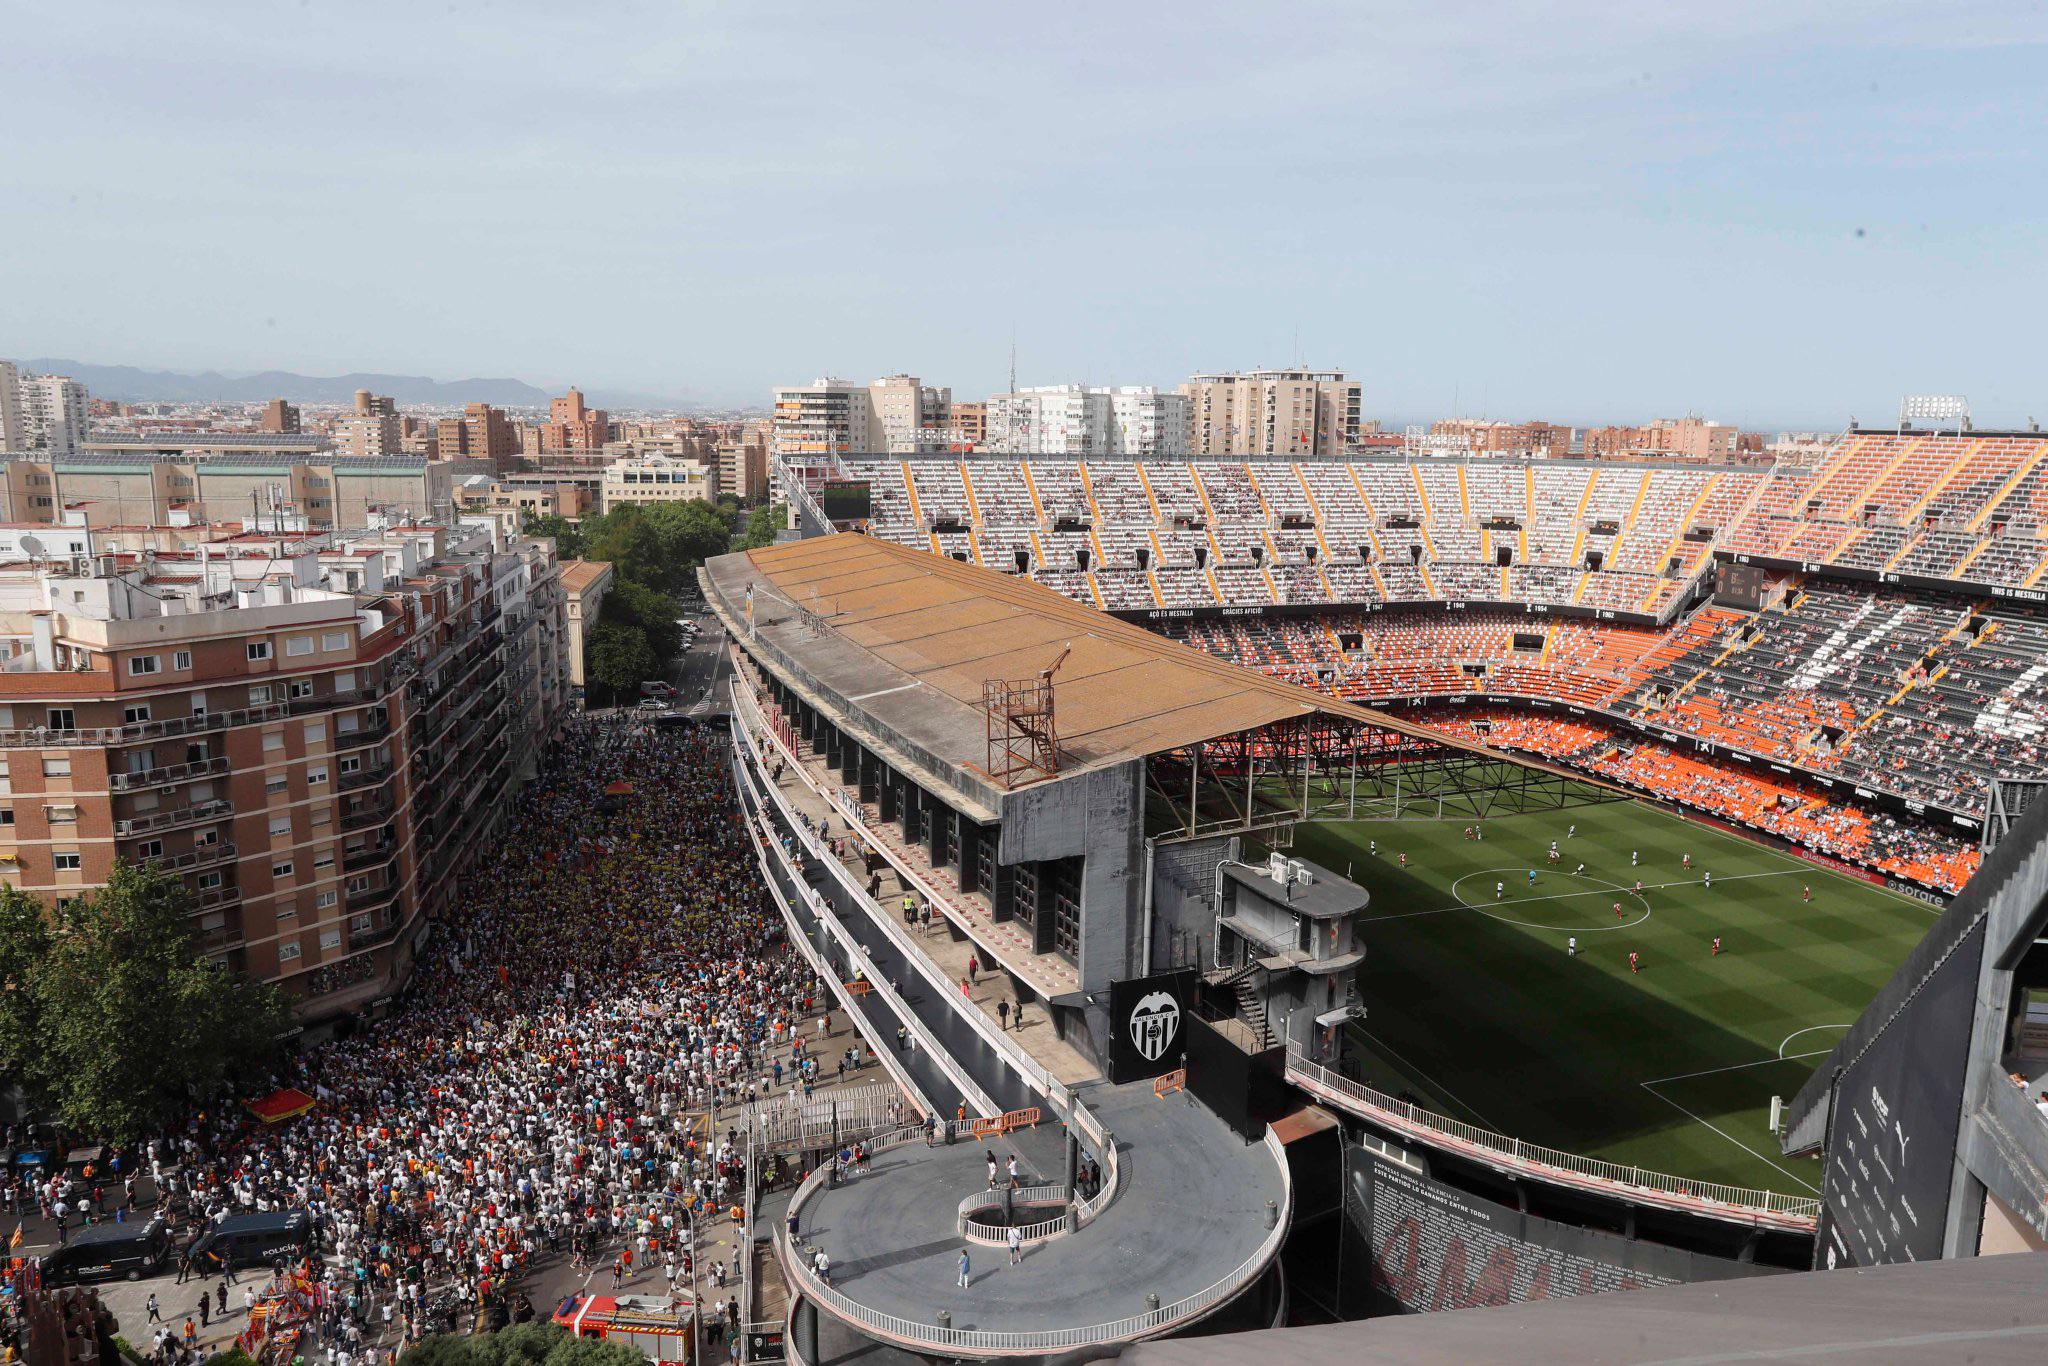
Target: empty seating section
(1608, 537)
(1667, 497)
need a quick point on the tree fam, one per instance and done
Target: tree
(24, 943)
(616, 657)
(693, 532)
(126, 1021)
(762, 524)
(568, 537)
(523, 1344)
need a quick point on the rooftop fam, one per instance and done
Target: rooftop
(910, 637)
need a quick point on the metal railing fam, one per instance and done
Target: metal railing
(1551, 1163)
(748, 718)
(166, 774)
(825, 917)
(33, 737)
(998, 1235)
(167, 820)
(855, 1114)
(989, 1343)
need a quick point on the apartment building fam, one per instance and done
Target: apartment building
(316, 734)
(1280, 413)
(279, 417)
(743, 466)
(656, 479)
(322, 493)
(43, 414)
(1492, 437)
(481, 433)
(11, 437)
(573, 427)
(907, 415)
(894, 415)
(1078, 420)
(1686, 438)
(969, 422)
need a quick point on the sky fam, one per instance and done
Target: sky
(1780, 214)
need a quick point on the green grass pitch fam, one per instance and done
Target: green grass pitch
(1475, 1009)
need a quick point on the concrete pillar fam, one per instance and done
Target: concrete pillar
(804, 1332)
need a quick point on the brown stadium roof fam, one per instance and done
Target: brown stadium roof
(1122, 693)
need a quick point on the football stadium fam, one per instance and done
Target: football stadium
(1533, 845)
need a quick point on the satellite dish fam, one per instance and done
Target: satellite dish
(33, 544)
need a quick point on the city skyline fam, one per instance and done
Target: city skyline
(1582, 215)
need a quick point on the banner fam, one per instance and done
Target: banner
(1147, 1015)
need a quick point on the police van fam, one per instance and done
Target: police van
(104, 1251)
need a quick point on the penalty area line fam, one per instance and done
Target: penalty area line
(1607, 890)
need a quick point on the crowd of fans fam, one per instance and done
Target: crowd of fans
(610, 975)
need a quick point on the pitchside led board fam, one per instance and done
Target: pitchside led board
(1147, 1024)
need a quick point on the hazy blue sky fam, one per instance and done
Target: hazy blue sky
(1779, 213)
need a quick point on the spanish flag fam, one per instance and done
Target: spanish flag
(16, 1240)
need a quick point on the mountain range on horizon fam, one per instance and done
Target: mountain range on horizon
(131, 384)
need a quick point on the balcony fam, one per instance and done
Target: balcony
(213, 898)
(365, 777)
(166, 776)
(203, 857)
(379, 729)
(370, 938)
(171, 820)
(357, 859)
(41, 737)
(371, 898)
(376, 813)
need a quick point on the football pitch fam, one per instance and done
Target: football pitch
(1476, 1009)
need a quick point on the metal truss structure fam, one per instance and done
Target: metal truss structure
(1022, 737)
(1320, 767)
(2010, 799)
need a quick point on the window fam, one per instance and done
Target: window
(325, 900)
(334, 640)
(350, 763)
(63, 718)
(135, 713)
(298, 645)
(321, 816)
(67, 861)
(301, 688)
(273, 786)
(323, 862)
(282, 868)
(6, 815)
(258, 650)
(182, 659)
(260, 695)
(209, 881)
(316, 776)
(62, 815)
(150, 849)
(330, 939)
(287, 952)
(316, 732)
(273, 742)
(144, 664)
(280, 825)
(57, 766)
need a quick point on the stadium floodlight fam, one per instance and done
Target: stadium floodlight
(1937, 410)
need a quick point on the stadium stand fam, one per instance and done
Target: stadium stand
(1900, 652)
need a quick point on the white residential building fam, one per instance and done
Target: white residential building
(44, 413)
(894, 415)
(1078, 420)
(11, 436)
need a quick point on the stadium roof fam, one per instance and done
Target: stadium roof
(910, 637)
(1985, 1310)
